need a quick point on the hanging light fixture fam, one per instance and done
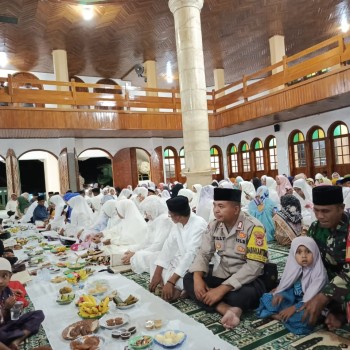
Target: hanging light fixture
(3, 59)
(88, 12)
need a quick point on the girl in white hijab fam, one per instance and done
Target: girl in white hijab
(304, 193)
(158, 228)
(303, 277)
(80, 217)
(58, 220)
(129, 231)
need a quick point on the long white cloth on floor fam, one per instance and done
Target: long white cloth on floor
(57, 317)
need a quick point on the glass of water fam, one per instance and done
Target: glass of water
(16, 310)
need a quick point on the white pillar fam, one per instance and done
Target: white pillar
(277, 51)
(282, 150)
(52, 179)
(192, 89)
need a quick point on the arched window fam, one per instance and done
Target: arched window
(341, 144)
(259, 155)
(169, 163)
(182, 158)
(233, 158)
(215, 160)
(245, 157)
(299, 155)
(319, 147)
(272, 153)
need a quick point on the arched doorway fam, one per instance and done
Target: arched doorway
(95, 166)
(143, 165)
(39, 172)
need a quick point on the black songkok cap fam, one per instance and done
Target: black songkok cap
(179, 205)
(227, 194)
(346, 178)
(41, 198)
(327, 195)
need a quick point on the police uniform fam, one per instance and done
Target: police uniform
(239, 258)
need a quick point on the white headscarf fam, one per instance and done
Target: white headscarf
(59, 203)
(110, 208)
(271, 184)
(81, 212)
(125, 194)
(132, 223)
(313, 277)
(225, 184)
(154, 207)
(186, 193)
(196, 195)
(205, 203)
(303, 185)
(165, 194)
(143, 191)
(247, 188)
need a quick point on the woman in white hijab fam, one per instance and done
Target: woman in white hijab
(205, 203)
(303, 192)
(158, 227)
(248, 193)
(128, 232)
(80, 217)
(58, 220)
(196, 189)
(140, 193)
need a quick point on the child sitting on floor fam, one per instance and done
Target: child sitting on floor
(303, 277)
(13, 332)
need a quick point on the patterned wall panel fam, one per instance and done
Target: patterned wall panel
(63, 169)
(12, 173)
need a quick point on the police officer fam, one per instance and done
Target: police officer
(331, 232)
(236, 241)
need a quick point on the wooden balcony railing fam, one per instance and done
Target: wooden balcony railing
(328, 55)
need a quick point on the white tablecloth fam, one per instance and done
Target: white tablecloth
(57, 317)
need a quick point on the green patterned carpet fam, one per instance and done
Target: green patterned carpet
(252, 333)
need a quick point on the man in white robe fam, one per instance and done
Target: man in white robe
(179, 249)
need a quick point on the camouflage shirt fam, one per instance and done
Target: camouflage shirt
(332, 245)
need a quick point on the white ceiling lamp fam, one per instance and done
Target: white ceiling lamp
(88, 12)
(3, 59)
(344, 25)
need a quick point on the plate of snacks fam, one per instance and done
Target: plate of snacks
(64, 299)
(170, 339)
(127, 303)
(90, 308)
(97, 287)
(59, 249)
(90, 342)
(140, 341)
(81, 328)
(152, 323)
(115, 320)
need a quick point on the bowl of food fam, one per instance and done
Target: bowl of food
(170, 339)
(98, 287)
(152, 323)
(75, 266)
(140, 342)
(59, 249)
(64, 299)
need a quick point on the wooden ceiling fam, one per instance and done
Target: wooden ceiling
(126, 32)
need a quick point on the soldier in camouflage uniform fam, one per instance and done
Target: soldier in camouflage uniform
(331, 233)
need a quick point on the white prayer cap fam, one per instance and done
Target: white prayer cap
(5, 265)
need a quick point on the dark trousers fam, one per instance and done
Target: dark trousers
(10, 213)
(13, 330)
(247, 297)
